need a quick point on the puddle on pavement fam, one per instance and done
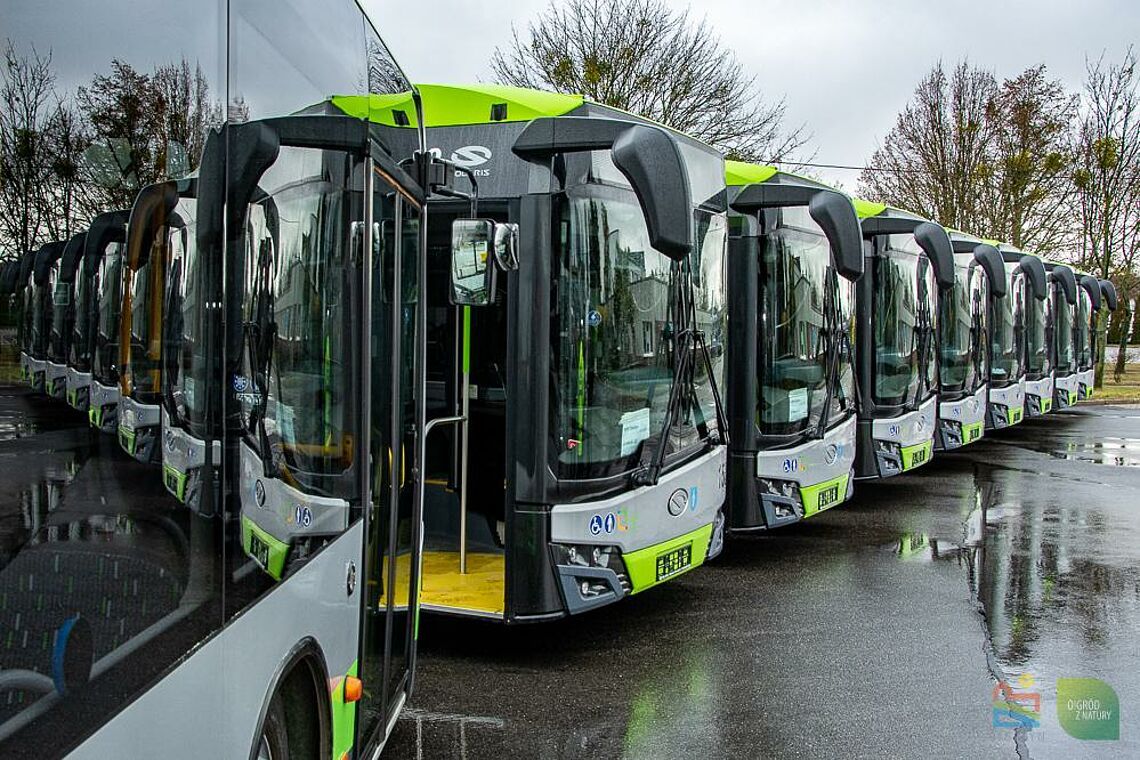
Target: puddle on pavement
(1119, 452)
(1057, 579)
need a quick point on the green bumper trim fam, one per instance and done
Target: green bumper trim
(272, 559)
(175, 482)
(127, 440)
(973, 432)
(95, 417)
(821, 496)
(343, 716)
(916, 455)
(1046, 405)
(642, 564)
(1016, 415)
(72, 397)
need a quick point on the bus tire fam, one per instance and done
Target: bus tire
(273, 743)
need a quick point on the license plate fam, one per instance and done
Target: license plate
(259, 550)
(919, 457)
(827, 497)
(672, 562)
(972, 435)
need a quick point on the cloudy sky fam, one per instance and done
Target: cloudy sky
(845, 67)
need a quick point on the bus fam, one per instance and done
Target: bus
(61, 280)
(1090, 357)
(1091, 301)
(1041, 316)
(1064, 294)
(138, 627)
(1034, 362)
(91, 297)
(580, 454)
(23, 295)
(41, 310)
(161, 220)
(795, 254)
(1006, 405)
(964, 341)
(910, 261)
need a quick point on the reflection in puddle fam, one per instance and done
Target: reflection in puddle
(1120, 452)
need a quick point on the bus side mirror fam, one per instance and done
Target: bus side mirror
(835, 215)
(472, 266)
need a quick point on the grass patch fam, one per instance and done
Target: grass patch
(1127, 391)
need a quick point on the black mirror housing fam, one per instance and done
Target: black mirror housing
(1035, 273)
(835, 215)
(991, 262)
(648, 156)
(1110, 297)
(831, 210)
(1092, 287)
(1062, 275)
(934, 240)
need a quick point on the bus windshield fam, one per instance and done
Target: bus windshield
(612, 361)
(1063, 335)
(1084, 332)
(60, 294)
(903, 319)
(1038, 334)
(1006, 343)
(81, 328)
(297, 318)
(795, 276)
(109, 282)
(963, 315)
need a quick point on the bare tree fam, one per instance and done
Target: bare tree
(1107, 175)
(1107, 178)
(1030, 189)
(936, 159)
(646, 58)
(28, 113)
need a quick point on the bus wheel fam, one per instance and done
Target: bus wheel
(274, 741)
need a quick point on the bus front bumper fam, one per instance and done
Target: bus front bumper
(78, 389)
(605, 550)
(139, 426)
(962, 422)
(1006, 406)
(789, 485)
(1039, 396)
(1065, 391)
(1086, 380)
(902, 443)
(103, 407)
(55, 380)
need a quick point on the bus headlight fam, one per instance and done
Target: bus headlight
(783, 495)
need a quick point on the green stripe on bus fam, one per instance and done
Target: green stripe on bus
(820, 496)
(916, 455)
(343, 716)
(642, 564)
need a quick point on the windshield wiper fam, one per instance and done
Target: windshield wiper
(838, 340)
(688, 345)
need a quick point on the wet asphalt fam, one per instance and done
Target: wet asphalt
(877, 629)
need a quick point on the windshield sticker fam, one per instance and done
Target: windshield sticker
(188, 387)
(285, 421)
(634, 430)
(797, 404)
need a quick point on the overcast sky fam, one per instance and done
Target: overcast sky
(846, 67)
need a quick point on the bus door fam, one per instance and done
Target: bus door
(393, 399)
